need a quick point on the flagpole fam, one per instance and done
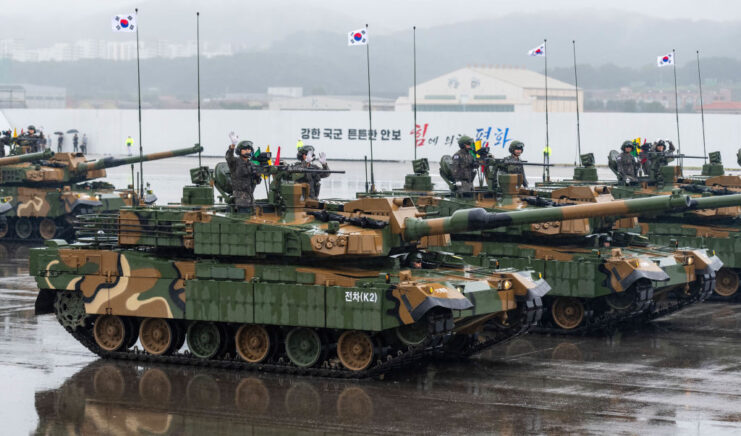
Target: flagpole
(414, 131)
(546, 154)
(198, 73)
(702, 109)
(370, 118)
(139, 90)
(676, 105)
(576, 89)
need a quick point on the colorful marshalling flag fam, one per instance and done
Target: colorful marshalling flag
(358, 37)
(667, 59)
(537, 51)
(124, 23)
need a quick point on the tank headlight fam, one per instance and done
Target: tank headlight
(690, 260)
(128, 196)
(506, 285)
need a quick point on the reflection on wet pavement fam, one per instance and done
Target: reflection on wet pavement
(678, 375)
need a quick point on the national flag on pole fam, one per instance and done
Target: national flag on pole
(537, 51)
(667, 59)
(358, 37)
(124, 23)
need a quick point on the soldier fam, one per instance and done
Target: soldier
(244, 174)
(75, 142)
(464, 165)
(305, 156)
(512, 162)
(83, 146)
(60, 143)
(627, 165)
(130, 142)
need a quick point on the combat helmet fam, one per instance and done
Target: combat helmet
(31, 127)
(627, 144)
(304, 150)
(516, 145)
(464, 140)
(245, 144)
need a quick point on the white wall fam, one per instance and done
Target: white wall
(166, 129)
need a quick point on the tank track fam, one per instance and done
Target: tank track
(65, 231)
(414, 355)
(401, 360)
(526, 317)
(707, 284)
(645, 311)
(606, 321)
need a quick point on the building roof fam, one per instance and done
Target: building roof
(723, 106)
(521, 77)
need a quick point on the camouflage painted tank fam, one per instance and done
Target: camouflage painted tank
(594, 286)
(323, 288)
(718, 230)
(42, 193)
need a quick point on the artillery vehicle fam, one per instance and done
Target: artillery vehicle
(596, 284)
(329, 288)
(718, 230)
(42, 193)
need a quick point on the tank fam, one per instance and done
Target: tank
(594, 286)
(42, 193)
(327, 288)
(716, 229)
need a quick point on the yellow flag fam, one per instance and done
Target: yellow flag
(547, 150)
(299, 144)
(15, 134)
(478, 145)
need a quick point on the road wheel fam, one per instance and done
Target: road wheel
(567, 312)
(303, 346)
(204, 339)
(253, 343)
(355, 350)
(47, 228)
(726, 282)
(110, 332)
(155, 335)
(23, 228)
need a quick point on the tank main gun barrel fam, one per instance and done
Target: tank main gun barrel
(715, 201)
(467, 220)
(28, 157)
(110, 162)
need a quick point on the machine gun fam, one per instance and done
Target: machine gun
(702, 189)
(364, 222)
(544, 202)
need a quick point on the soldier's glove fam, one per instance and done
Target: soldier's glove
(309, 156)
(234, 138)
(671, 147)
(323, 158)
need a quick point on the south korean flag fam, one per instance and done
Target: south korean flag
(358, 37)
(124, 23)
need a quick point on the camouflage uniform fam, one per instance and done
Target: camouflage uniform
(660, 158)
(464, 165)
(244, 177)
(512, 163)
(627, 165)
(313, 179)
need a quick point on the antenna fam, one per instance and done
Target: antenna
(702, 109)
(576, 89)
(370, 118)
(414, 131)
(676, 106)
(139, 89)
(198, 69)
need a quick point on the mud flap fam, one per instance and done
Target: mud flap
(45, 302)
(80, 203)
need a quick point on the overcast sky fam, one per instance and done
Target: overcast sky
(383, 15)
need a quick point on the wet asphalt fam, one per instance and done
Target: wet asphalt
(677, 375)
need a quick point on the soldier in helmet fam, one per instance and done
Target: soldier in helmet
(464, 164)
(627, 165)
(513, 164)
(662, 149)
(244, 174)
(305, 156)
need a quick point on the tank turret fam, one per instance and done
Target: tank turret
(64, 168)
